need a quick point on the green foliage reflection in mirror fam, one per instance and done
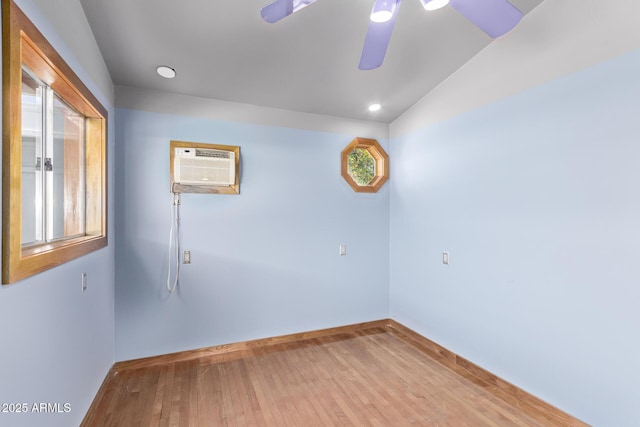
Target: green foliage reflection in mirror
(365, 165)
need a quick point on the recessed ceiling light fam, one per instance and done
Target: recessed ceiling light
(434, 4)
(375, 107)
(166, 72)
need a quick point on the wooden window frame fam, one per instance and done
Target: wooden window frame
(382, 165)
(22, 43)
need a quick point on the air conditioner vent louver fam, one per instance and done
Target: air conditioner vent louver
(204, 167)
(214, 153)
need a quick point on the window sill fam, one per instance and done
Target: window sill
(53, 246)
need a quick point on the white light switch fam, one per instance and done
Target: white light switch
(343, 249)
(445, 257)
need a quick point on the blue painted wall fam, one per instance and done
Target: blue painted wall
(265, 262)
(57, 342)
(536, 199)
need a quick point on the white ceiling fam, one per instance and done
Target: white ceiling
(307, 62)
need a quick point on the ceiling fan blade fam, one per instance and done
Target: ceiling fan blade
(377, 41)
(494, 17)
(279, 9)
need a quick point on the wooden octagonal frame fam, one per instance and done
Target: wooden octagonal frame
(382, 165)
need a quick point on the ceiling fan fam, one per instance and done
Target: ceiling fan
(494, 17)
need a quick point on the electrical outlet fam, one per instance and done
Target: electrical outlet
(84, 282)
(445, 258)
(186, 257)
(343, 249)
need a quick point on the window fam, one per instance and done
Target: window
(365, 165)
(361, 166)
(54, 156)
(53, 145)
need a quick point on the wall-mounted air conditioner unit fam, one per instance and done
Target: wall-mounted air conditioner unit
(204, 166)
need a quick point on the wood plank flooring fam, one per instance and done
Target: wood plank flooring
(371, 377)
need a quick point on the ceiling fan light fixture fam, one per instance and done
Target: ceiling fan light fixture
(166, 72)
(434, 4)
(383, 10)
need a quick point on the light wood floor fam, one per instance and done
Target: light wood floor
(373, 377)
